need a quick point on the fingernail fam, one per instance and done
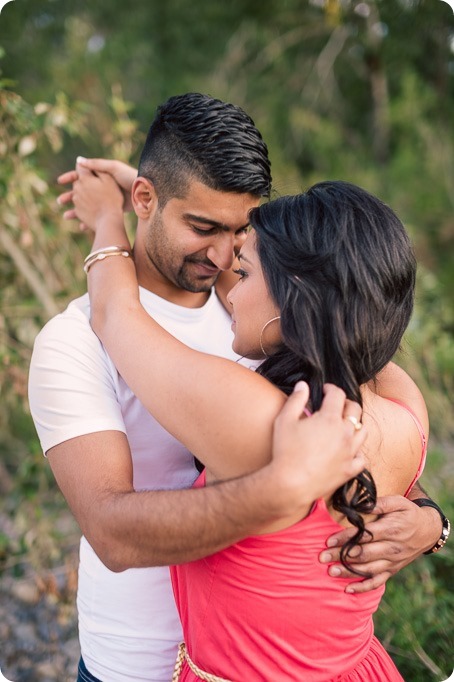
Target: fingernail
(300, 386)
(325, 557)
(81, 159)
(58, 200)
(334, 571)
(350, 590)
(331, 542)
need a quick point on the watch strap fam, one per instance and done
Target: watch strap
(446, 526)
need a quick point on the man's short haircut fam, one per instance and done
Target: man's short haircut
(196, 137)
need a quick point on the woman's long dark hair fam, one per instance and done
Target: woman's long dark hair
(340, 267)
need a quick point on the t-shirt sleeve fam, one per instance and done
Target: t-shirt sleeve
(71, 382)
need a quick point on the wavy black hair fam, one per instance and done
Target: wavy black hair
(195, 136)
(340, 266)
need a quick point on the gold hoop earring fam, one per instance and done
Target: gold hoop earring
(273, 319)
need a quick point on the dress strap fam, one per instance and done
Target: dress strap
(423, 441)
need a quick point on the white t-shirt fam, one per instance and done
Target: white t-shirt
(128, 624)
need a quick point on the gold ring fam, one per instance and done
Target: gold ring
(357, 424)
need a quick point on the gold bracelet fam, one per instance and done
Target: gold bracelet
(106, 249)
(102, 254)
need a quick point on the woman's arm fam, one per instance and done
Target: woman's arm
(214, 406)
(221, 411)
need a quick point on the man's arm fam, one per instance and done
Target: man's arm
(72, 393)
(137, 529)
(129, 529)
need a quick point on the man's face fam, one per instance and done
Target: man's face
(191, 240)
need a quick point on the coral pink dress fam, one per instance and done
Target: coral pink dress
(265, 609)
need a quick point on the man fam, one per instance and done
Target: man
(204, 165)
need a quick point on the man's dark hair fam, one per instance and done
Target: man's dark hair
(196, 137)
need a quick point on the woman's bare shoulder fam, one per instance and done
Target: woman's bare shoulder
(394, 383)
(394, 445)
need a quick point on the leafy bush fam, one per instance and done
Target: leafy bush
(41, 258)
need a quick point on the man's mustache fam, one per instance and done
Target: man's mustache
(201, 261)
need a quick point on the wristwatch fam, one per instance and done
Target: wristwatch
(446, 526)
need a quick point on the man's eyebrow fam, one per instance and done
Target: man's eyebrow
(212, 223)
(241, 257)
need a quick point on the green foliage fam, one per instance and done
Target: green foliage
(415, 617)
(361, 91)
(415, 622)
(41, 257)
(33, 256)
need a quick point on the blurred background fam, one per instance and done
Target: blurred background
(340, 89)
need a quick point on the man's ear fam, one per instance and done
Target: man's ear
(144, 198)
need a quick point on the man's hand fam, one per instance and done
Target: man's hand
(402, 532)
(313, 457)
(123, 175)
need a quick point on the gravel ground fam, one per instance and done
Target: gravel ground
(38, 625)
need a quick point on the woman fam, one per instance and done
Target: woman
(325, 294)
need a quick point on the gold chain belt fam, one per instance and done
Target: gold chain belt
(184, 656)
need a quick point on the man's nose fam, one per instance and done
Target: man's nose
(239, 240)
(221, 252)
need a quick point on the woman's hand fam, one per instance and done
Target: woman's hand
(123, 175)
(323, 451)
(98, 201)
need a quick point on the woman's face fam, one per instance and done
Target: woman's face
(253, 307)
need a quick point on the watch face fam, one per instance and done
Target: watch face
(444, 536)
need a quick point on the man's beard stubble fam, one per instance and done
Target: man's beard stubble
(161, 259)
(197, 285)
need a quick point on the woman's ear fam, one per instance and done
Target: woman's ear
(144, 198)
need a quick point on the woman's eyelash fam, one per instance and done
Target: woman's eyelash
(242, 273)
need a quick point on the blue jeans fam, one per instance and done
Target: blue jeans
(83, 674)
